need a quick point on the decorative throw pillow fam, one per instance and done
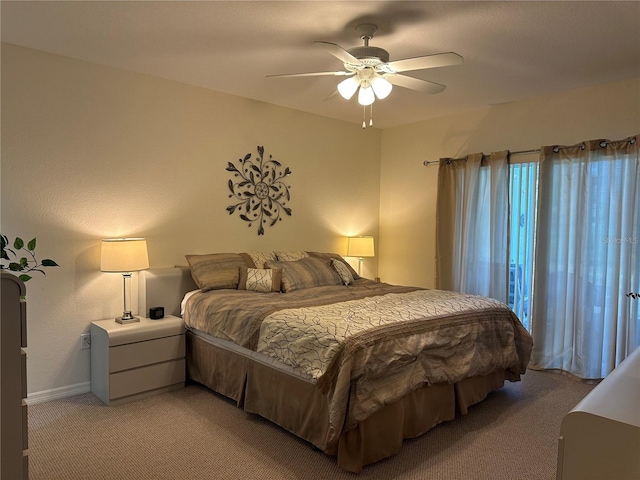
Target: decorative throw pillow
(329, 256)
(343, 271)
(263, 280)
(216, 271)
(290, 256)
(306, 273)
(259, 258)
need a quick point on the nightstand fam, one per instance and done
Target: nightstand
(136, 360)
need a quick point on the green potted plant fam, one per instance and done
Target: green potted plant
(21, 258)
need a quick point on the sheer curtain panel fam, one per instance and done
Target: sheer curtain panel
(472, 220)
(587, 258)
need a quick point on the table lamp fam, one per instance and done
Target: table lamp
(125, 255)
(360, 247)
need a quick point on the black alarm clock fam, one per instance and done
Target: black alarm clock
(156, 313)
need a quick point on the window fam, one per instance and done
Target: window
(523, 194)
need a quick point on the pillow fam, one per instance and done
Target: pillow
(329, 256)
(290, 256)
(259, 258)
(343, 271)
(216, 270)
(305, 273)
(261, 280)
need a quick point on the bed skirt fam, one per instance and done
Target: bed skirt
(299, 407)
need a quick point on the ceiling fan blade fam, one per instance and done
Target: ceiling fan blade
(415, 84)
(428, 61)
(338, 52)
(313, 74)
(335, 92)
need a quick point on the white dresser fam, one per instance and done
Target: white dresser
(600, 437)
(136, 360)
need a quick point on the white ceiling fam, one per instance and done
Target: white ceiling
(512, 50)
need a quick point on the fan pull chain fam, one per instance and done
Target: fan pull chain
(364, 116)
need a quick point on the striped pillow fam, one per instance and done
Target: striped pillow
(290, 256)
(216, 271)
(329, 256)
(306, 273)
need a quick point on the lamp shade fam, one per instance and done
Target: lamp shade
(381, 87)
(348, 87)
(124, 255)
(366, 96)
(360, 246)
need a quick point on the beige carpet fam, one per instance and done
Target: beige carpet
(194, 433)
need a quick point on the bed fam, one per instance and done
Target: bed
(351, 365)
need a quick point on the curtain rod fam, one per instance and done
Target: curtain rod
(556, 149)
(426, 163)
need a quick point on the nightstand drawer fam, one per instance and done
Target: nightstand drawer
(133, 355)
(147, 378)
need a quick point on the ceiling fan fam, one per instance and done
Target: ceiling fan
(370, 72)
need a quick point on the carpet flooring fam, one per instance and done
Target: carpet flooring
(194, 433)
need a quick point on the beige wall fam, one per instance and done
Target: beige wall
(90, 152)
(408, 189)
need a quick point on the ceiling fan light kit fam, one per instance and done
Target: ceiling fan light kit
(348, 87)
(372, 75)
(381, 87)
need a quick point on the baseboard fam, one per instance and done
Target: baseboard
(56, 393)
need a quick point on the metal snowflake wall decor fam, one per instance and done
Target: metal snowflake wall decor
(261, 192)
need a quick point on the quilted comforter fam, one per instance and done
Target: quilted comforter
(369, 344)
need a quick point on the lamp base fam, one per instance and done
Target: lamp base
(125, 320)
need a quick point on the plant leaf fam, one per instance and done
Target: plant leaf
(32, 244)
(15, 267)
(24, 277)
(47, 262)
(18, 244)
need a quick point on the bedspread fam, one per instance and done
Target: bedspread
(371, 352)
(370, 344)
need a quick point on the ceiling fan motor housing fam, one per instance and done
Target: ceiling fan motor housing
(370, 55)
